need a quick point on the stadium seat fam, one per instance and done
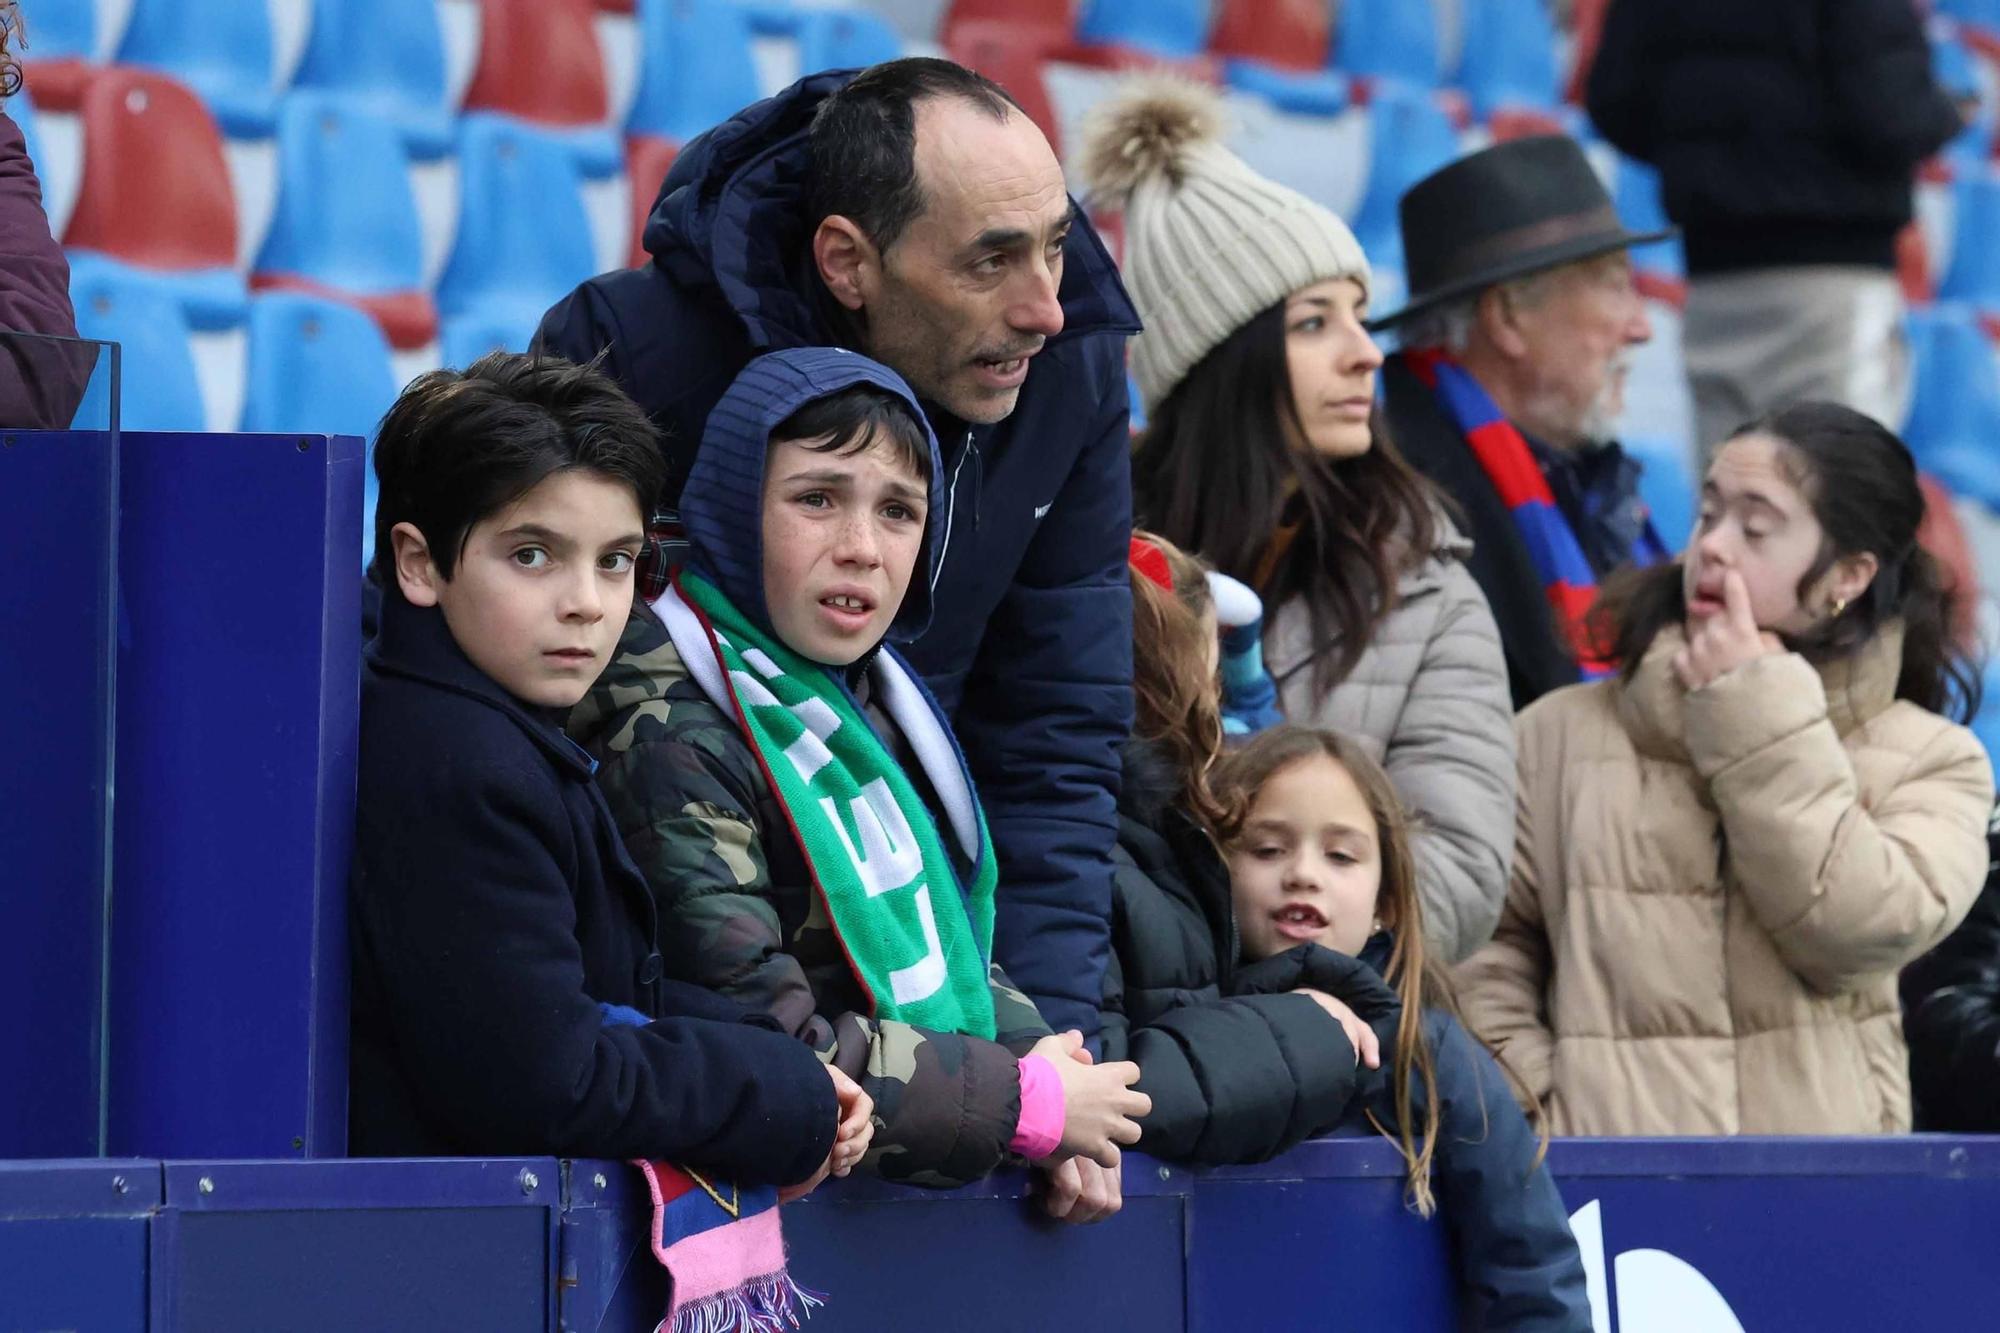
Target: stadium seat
(158, 389)
(219, 48)
(1012, 57)
(524, 237)
(318, 367)
(1292, 35)
(156, 191)
(647, 161)
(54, 146)
(346, 223)
(1635, 189)
(539, 62)
(1956, 70)
(844, 39)
(696, 68)
(1050, 22)
(470, 337)
(1389, 40)
(1668, 486)
(1510, 56)
(1973, 275)
(1410, 136)
(1955, 404)
(1164, 27)
(64, 49)
(386, 57)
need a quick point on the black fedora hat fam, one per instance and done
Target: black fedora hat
(1504, 212)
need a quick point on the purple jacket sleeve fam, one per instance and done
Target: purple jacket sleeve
(40, 384)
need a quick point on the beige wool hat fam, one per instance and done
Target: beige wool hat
(1209, 243)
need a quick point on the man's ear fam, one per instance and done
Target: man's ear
(1498, 316)
(848, 261)
(415, 574)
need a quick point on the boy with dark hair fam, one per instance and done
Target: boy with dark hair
(508, 991)
(795, 796)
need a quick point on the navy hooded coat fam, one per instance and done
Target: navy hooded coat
(1029, 650)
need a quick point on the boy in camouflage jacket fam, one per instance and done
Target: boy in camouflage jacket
(739, 908)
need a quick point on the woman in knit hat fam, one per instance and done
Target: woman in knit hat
(1265, 453)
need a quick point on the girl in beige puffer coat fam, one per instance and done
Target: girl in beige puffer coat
(1725, 854)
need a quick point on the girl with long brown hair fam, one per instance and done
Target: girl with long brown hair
(1234, 1076)
(1265, 454)
(1322, 874)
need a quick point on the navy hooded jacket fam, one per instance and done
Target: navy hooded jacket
(1029, 648)
(493, 910)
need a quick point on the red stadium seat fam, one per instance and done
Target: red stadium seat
(1944, 537)
(539, 61)
(156, 191)
(1053, 22)
(647, 160)
(1289, 34)
(1011, 56)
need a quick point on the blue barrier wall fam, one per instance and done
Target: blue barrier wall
(1693, 1236)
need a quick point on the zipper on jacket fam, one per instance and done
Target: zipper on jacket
(951, 509)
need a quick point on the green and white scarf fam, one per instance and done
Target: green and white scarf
(875, 852)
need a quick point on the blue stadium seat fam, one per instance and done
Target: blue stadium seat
(524, 237)
(1164, 27)
(470, 337)
(220, 48)
(159, 389)
(696, 69)
(1974, 273)
(1668, 486)
(1636, 192)
(317, 367)
(1319, 93)
(844, 39)
(1955, 68)
(1393, 40)
(1510, 55)
(1410, 136)
(346, 219)
(385, 56)
(1955, 404)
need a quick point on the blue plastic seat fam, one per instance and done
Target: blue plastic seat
(1164, 27)
(220, 48)
(1392, 40)
(1636, 194)
(346, 218)
(1955, 403)
(844, 39)
(1314, 93)
(466, 338)
(1974, 273)
(317, 367)
(524, 237)
(65, 30)
(696, 68)
(1510, 55)
(1410, 137)
(158, 386)
(384, 56)
(1668, 486)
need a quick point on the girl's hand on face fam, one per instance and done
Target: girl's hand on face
(1101, 1109)
(1367, 1047)
(1721, 643)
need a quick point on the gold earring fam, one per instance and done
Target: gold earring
(1839, 605)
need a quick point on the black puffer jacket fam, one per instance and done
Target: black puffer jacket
(1233, 1078)
(1951, 1017)
(1786, 131)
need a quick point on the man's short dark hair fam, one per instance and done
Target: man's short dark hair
(848, 421)
(461, 445)
(864, 141)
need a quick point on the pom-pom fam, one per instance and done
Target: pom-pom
(1145, 132)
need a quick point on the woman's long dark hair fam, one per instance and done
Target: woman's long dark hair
(1861, 482)
(1216, 474)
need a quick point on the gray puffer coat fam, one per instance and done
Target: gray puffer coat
(1429, 699)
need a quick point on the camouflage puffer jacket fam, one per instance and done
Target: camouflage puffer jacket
(739, 914)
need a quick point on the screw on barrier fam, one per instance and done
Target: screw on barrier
(297, 1143)
(206, 1185)
(599, 1181)
(305, 446)
(118, 1185)
(530, 1182)
(1166, 1174)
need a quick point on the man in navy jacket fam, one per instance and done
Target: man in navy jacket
(913, 212)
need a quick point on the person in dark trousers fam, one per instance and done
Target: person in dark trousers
(1951, 1017)
(1509, 380)
(1787, 135)
(508, 996)
(40, 382)
(915, 214)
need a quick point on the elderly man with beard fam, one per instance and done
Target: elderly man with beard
(1514, 348)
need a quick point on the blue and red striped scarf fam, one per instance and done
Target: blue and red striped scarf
(1509, 463)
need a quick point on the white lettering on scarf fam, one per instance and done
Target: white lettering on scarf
(889, 859)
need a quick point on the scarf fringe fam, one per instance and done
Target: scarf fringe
(771, 1304)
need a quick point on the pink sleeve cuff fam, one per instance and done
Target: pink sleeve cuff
(1039, 1131)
